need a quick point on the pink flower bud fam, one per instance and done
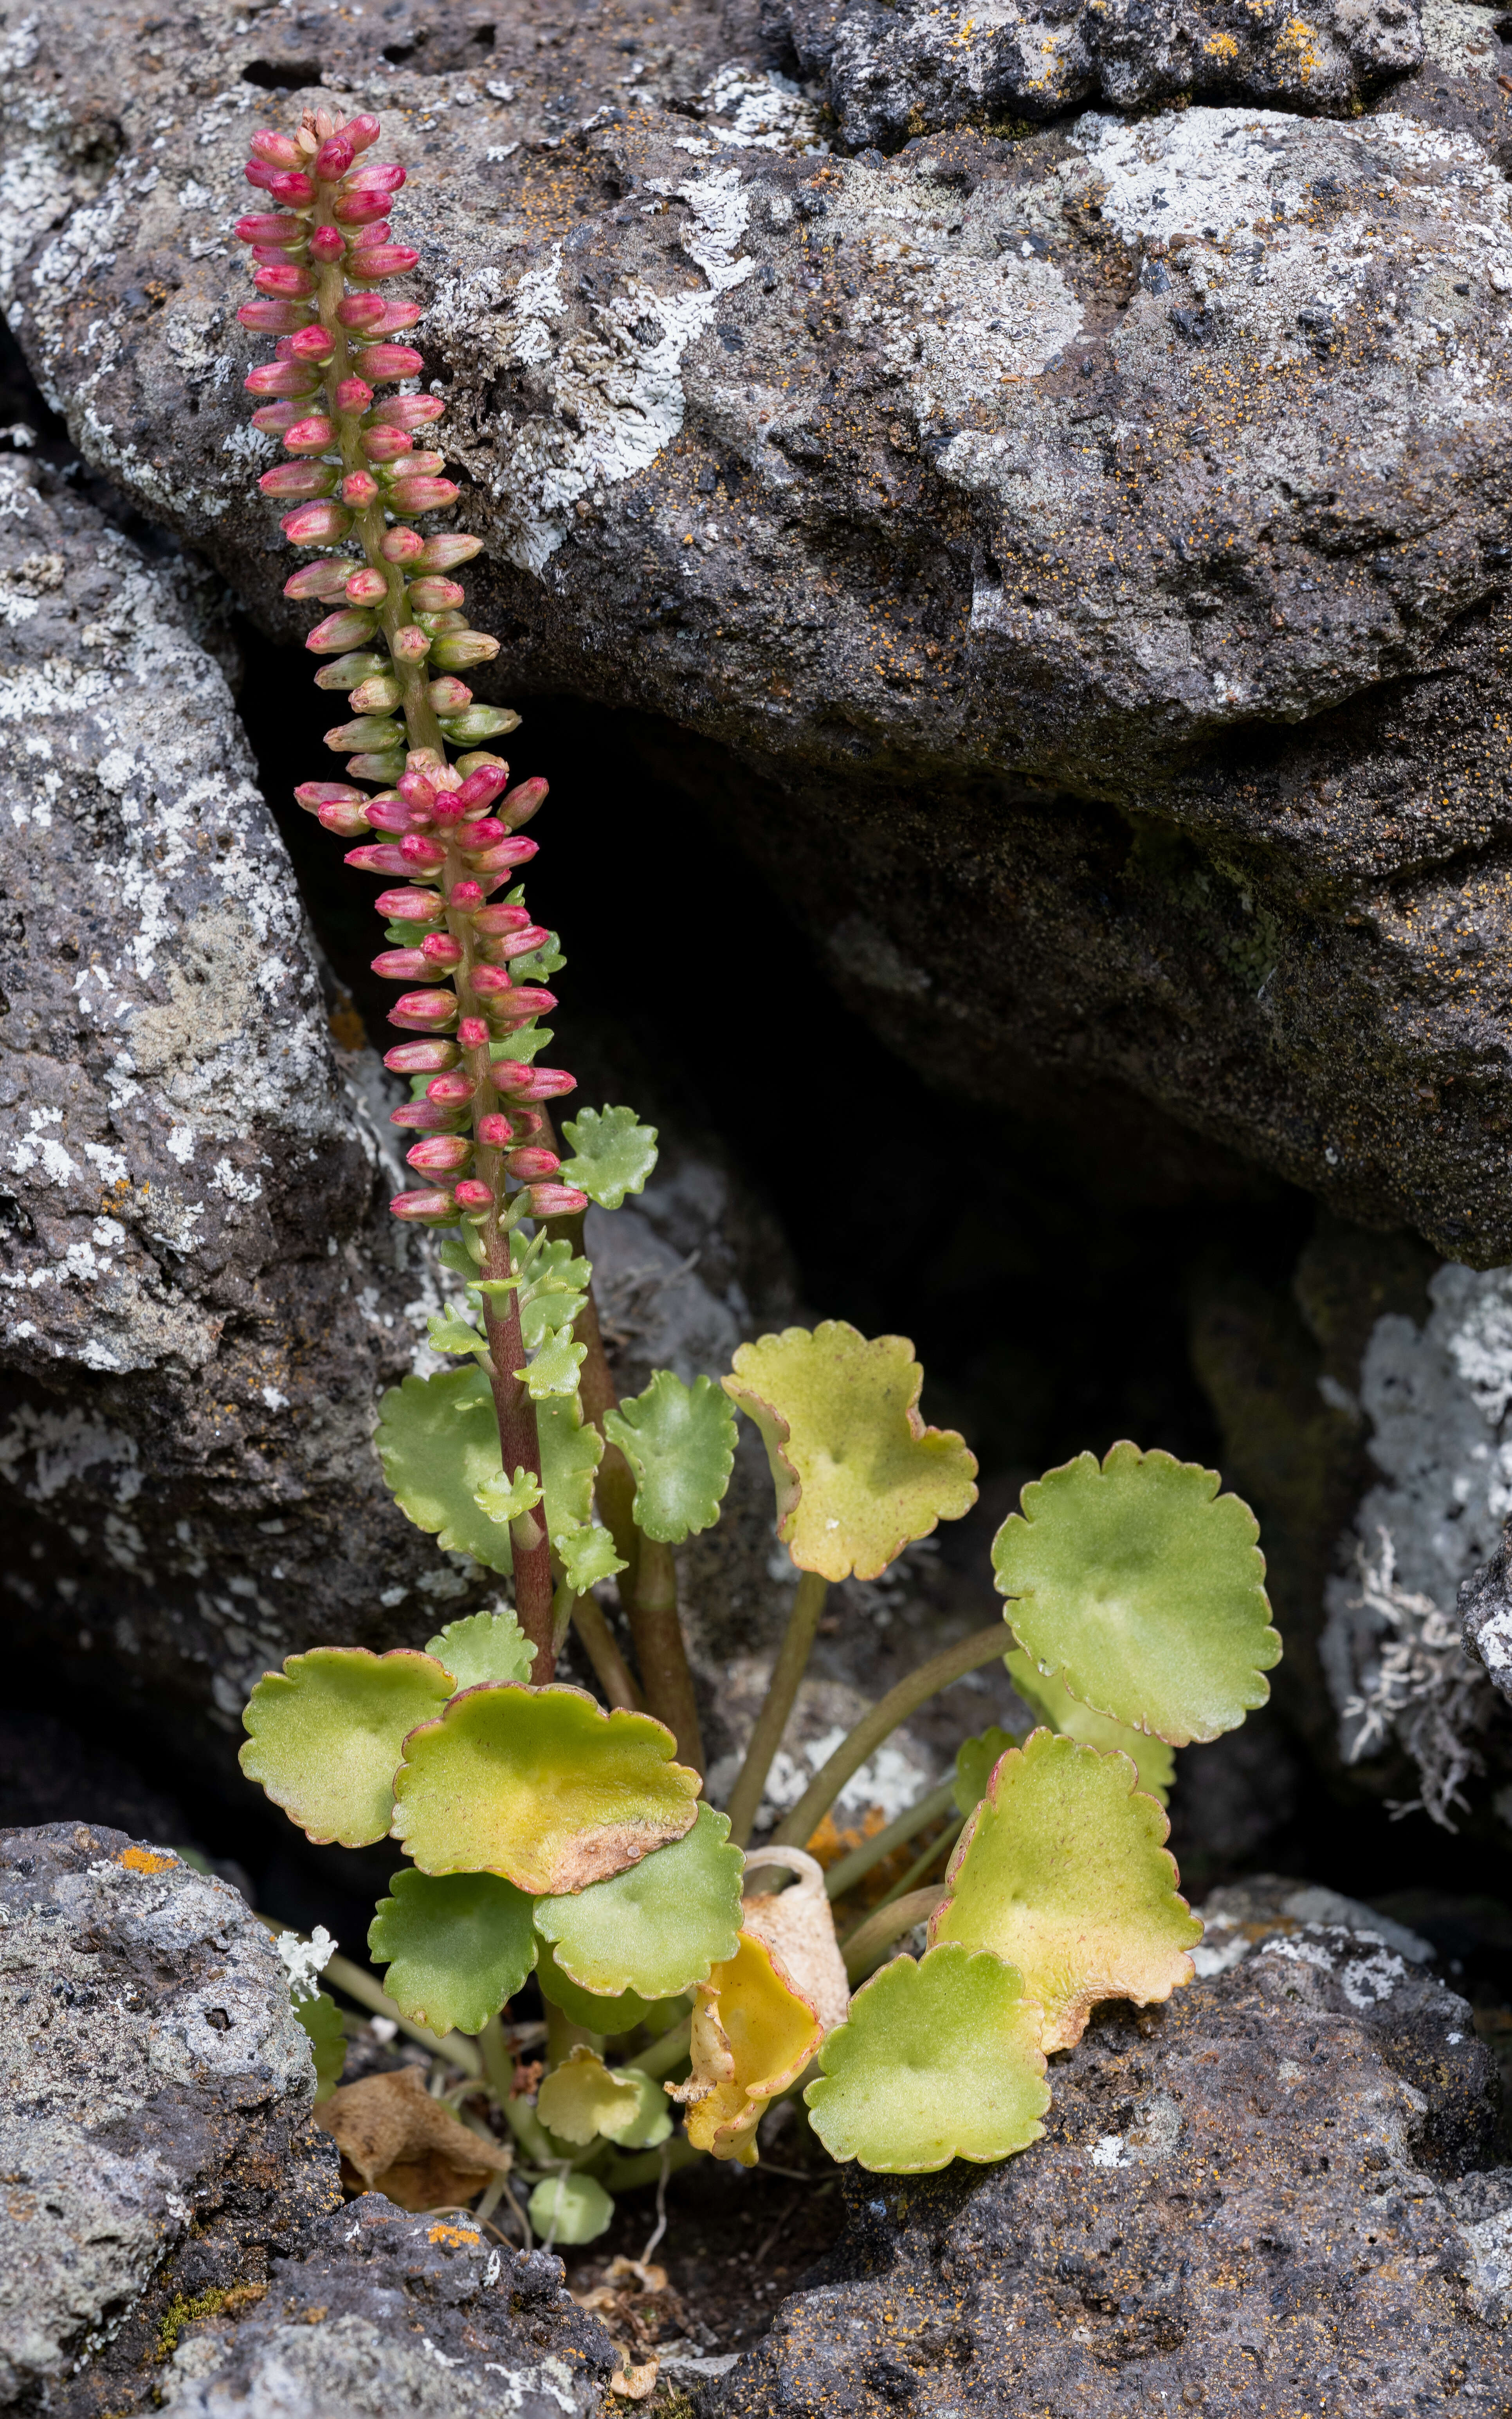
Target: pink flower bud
(440, 950)
(400, 965)
(293, 284)
(376, 176)
(431, 595)
(410, 907)
(348, 823)
(384, 361)
(298, 479)
(508, 854)
(472, 1033)
(419, 464)
(276, 150)
(361, 131)
(446, 552)
(516, 945)
(424, 1117)
(326, 243)
(339, 631)
(423, 495)
(410, 645)
(326, 581)
(519, 1082)
(259, 173)
(270, 226)
(371, 261)
(495, 921)
(359, 487)
(470, 1195)
(419, 852)
(371, 315)
(480, 788)
(415, 1057)
(311, 344)
(522, 802)
(276, 255)
(313, 795)
(278, 419)
(383, 857)
(450, 696)
(466, 897)
(440, 1155)
(495, 1130)
(353, 394)
(273, 319)
(335, 157)
(361, 208)
(293, 186)
(556, 1200)
(417, 792)
(422, 1011)
(526, 1121)
(524, 1001)
(367, 586)
(315, 524)
(479, 835)
(311, 436)
(451, 1091)
(489, 982)
(528, 1165)
(459, 650)
(410, 412)
(401, 545)
(385, 444)
(423, 1209)
(281, 377)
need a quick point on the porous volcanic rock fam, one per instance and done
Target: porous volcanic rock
(1486, 1611)
(155, 2118)
(1274, 2188)
(889, 73)
(1092, 546)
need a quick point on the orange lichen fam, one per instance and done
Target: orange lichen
(146, 1861)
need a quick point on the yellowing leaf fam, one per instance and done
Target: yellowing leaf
(457, 1947)
(327, 1732)
(657, 1927)
(857, 1473)
(581, 2098)
(541, 1785)
(936, 2061)
(1052, 1702)
(797, 1927)
(1061, 1872)
(1141, 1592)
(752, 2036)
(974, 1760)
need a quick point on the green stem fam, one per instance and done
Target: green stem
(659, 1649)
(498, 2060)
(355, 1984)
(868, 1941)
(782, 1688)
(665, 2053)
(952, 1663)
(628, 2174)
(601, 1647)
(529, 2133)
(910, 1879)
(845, 1875)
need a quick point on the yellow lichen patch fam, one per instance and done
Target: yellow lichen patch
(1221, 46)
(752, 2036)
(457, 2238)
(146, 1861)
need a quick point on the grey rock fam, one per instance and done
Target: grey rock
(1485, 1607)
(155, 2106)
(1092, 546)
(386, 2312)
(1275, 2187)
(889, 73)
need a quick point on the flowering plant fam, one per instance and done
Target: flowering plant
(550, 1832)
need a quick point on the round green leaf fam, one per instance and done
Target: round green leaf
(1140, 1591)
(541, 1785)
(321, 2019)
(974, 1760)
(1052, 1702)
(680, 1443)
(1061, 1872)
(582, 2097)
(614, 1154)
(658, 1928)
(327, 1732)
(457, 1947)
(437, 1440)
(570, 2209)
(936, 2061)
(484, 1646)
(610, 2017)
(857, 1473)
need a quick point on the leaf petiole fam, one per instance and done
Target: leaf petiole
(787, 1674)
(845, 1875)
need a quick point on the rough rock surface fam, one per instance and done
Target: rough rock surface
(384, 2312)
(1272, 2189)
(1094, 545)
(155, 2109)
(891, 71)
(203, 1290)
(1486, 1611)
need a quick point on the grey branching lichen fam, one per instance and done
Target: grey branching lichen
(1421, 1690)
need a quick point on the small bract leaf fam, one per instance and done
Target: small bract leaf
(581, 2097)
(615, 1154)
(446, 1333)
(551, 1287)
(1052, 1702)
(484, 1647)
(437, 1440)
(936, 2061)
(752, 2036)
(1142, 1588)
(571, 1452)
(570, 2209)
(1061, 1872)
(857, 1473)
(554, 1369)
(587, 1555)
(530, 1040)
(455, 1948)
(680, 1443)
(326, 1733)
(462, 1254)
(590, 2009)
(541, 1785)
(974, 1760)
(661, 1926)
(321, 2019)
(501, 1500)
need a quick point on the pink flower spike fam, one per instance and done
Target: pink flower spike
(530, 1165)
(379, 175)
(361, 131)
(315, 524)
(382, 858)
(440, 950)
(523, 803)
(451, 1090)
(348, 823)
(292, 187)
(327, 243)
(367, 586)
(519, 1082)
(387, 814)
(414, 1058)
(400, 965)
(556, 1200)
(413, 907)
(359, 487)
(508, 854)
(384, 361)
(335, 157)
(275, 151)
(495, 1130)
(423, 1209)
(424, 1117)
(420, 853)
(473, 1033)
(326, 581)
(423, 1011)
(271, 319)
(480, 788)
(489, 981)
(423, 495)
(466, 897)
(440, 1155)
(311, 345)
